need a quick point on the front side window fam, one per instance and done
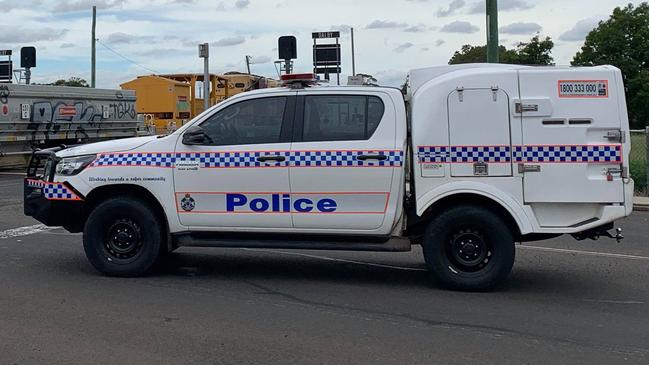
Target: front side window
(341, 117)
(254, 121)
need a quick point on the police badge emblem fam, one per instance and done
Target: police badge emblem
(188, 203)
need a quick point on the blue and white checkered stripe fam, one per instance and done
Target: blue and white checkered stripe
(470, 154)
(53, 191)
(250, 159)
(135, 159)
(538, 154)
(58, 191)
(229, 159)
(464, 154)
(433, 154)
(569, 154)
(425, 154)
(343, 159)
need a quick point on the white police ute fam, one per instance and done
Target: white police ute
(473, 159)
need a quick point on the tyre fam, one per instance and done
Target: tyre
(123, 237)
(469, 248)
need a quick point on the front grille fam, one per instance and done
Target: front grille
(39, 167)
(43, 164)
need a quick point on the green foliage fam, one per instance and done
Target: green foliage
(534, 52)
(623, 41)
(72, 81)
(639, 174)
(638, 161)
(478, 54)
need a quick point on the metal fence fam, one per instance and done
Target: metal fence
(639, 160)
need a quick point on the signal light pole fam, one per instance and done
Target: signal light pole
(93, 49)
(204, 53)
(492, 32)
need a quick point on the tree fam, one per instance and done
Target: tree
(534, 52)
(623, 41)
(478, 54)
(72, 81)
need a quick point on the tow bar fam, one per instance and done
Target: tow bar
(597, 232)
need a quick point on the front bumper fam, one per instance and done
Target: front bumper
(51, 203)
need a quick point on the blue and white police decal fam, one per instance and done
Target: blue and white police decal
(283, 203)
(187, 203)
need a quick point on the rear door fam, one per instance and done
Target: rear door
(346, 161)
(572, 150)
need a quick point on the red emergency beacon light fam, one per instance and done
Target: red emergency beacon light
(299, 80)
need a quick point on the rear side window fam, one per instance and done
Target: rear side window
(341, 117)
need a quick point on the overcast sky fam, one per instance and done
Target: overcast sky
(392, 36)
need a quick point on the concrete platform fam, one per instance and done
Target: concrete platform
(641, 203)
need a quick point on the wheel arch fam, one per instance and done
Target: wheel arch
(506, 208)
(102, 193)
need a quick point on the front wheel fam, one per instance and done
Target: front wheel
(469, 248)
(123, 237)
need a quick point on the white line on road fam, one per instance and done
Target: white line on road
(588, 253)
(326, 258)
(64, 233)
(24, 231)
(13, 173)
(546, 249)
(613, 301)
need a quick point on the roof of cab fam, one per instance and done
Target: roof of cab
(318, 87)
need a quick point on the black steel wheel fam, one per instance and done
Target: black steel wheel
(123, 237)
(469, 248)
(123, 240)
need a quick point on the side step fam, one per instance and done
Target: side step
(393, 244)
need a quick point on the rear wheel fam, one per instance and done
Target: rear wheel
(469, 248)
(123, 237)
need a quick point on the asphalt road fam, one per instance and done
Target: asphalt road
(565, 302)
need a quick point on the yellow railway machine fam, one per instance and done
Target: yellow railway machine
(169, 101)
(165, 103)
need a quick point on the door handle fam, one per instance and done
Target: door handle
(615, 136)
(526, 108)
(523, 168)
(271, 158)
(371, 157)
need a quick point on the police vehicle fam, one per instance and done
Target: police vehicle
(473, 159)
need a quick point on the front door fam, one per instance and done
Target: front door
(239, 177)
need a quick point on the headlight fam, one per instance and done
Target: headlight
(70, 166)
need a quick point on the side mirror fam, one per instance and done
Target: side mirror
(195, 135)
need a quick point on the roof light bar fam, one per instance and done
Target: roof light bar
(298, 77)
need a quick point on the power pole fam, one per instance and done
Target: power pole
(338, 58)
(93, 55)
(492, 32)
(353, 55)
(248, 63)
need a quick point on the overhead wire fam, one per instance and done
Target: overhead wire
(126, 58)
